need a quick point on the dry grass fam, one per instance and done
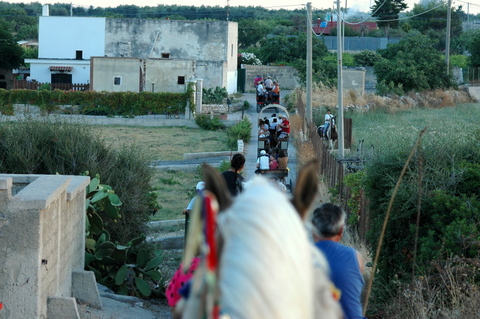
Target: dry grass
(164, 143)
(326, 97)
(449, 292)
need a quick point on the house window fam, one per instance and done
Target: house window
(117, 80)
(2, 77)
(78, 55)
(181, 80)
(165, 55)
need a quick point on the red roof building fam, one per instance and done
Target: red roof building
(325, 27)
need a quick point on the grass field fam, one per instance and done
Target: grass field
(175, 188)
(385, 130)
(164, 143)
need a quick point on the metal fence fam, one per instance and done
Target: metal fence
(471, 76)
(22, 84)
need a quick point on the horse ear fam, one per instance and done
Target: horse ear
(216, 184)
(306, 188)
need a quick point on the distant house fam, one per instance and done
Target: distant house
(325, 27)
(135, 55)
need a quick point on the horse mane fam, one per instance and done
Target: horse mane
(265, 261)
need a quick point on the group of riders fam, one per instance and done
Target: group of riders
(268, 90)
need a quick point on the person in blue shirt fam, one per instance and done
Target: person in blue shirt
(346, 264)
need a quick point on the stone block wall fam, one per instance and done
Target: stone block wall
(221, 108)
(287, 76)
(42, 231)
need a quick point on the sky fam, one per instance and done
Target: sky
(473, 6)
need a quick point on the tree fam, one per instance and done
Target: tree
(431, 19)
(251, 31)
(473, 46)
(11, 54)
(414, 64)
(433, 15)
(386, 11)
(288, 48)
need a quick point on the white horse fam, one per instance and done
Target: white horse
(266, 265)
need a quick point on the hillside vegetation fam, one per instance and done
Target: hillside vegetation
(432, 268)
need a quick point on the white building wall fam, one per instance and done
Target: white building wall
(61, 37)
(40, 72)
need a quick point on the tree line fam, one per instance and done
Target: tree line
(278, 37)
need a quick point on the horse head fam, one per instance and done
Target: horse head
(261, 264)
(333, 121)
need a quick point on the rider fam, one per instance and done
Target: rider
(275, 92)
(268, 84)
(328, 120)
(261, 91)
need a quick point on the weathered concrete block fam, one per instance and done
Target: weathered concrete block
(42, 235)
(62, 308)
(84, 288)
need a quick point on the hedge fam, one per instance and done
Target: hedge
(92, 102)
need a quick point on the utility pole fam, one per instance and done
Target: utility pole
(228, 10)
(447, 41)
(341, 151)
(308, 109)
(468, 16)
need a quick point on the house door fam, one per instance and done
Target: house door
(241, 80)
(62, 81)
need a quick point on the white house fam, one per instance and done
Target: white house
(171, 49)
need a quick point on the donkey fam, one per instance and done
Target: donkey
(260, 263)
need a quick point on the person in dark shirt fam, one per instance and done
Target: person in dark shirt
(232, 177)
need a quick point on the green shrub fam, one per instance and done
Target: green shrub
(384, 89)
(366, 58)
(459, 60)
(214, 95)
(127, 269)
(209, 124)
(50, 146)
(449, 216)
(100, 103)
(240, 131)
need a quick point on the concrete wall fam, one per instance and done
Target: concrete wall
(104, 70)
(215, 73)
(212, 44)
(61, 37)
(354, 80)
(162, 73)
(287, 76)
(194, 40)
(42, 231)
